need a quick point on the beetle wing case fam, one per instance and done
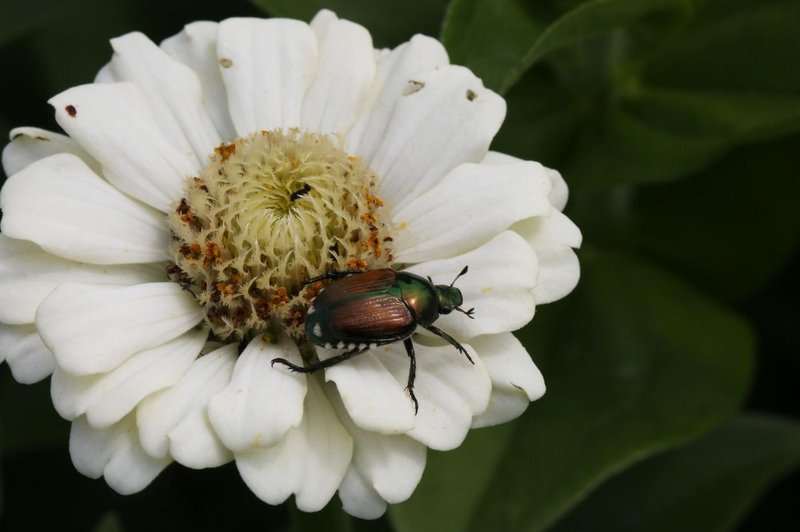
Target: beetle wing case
(360, 309)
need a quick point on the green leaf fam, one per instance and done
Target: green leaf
(501, 39)
(706, 486)
(636, 361)
(729, 228)
(19, 17)
(660, 134)
(28, 419)
(749, 47)
(390, 23)
(331, 518)
(453, 483)
(541, 120)
(110, 522)
(71, 52)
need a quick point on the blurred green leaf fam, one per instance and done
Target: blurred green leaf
(500, 39)
(71, 52)
(729, 228)
(541, 121)
(29, 421)
(110, 522)
(20, 17)
(390, 23)
(454, 483)
(734, 46)
(636, 362)
(331, 518)
(706, 486)
(659, 134)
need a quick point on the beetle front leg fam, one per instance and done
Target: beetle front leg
(441, 334)
(412, 372)
(319, 365)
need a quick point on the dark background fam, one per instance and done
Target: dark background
(671, 370)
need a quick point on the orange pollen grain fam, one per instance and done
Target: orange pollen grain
(225, 151)
(357, 264)
(280, 297)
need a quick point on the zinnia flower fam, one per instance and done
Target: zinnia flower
(154, 258)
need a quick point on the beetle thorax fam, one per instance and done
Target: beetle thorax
(267, 213)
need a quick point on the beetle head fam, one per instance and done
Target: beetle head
(450, 297)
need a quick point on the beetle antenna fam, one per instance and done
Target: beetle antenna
(459, 275)
(469, 312)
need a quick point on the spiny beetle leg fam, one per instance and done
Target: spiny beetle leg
(330, 275)
(440, 333)
(319, 365)
(412, 372)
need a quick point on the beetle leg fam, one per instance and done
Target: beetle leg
(441, 334)
(330, 275)
(319, 365)
(412, 372)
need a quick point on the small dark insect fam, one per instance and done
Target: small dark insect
(362, 310)
(300, 192)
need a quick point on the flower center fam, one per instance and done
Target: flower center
(268, 213)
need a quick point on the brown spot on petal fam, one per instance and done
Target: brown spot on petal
(71, 111)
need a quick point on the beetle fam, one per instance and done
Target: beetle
(362, 310)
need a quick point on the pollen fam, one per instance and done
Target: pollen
(267, 213)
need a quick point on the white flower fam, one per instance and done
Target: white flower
(153, 260)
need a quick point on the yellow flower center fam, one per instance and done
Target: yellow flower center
(269, 212)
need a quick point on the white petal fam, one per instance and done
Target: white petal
(343, 77)
(358, 498)
(92, 328)
(552, 237)
(27, 356)
(107, 398)
(559, 272)
(516, 381)
(29, 144)
(310, 461)
(499, 284)
(550, 231)
(372, 396)
(559, 192)
(173, 91)
(395, 74)
(115, 453)
(63, 206)
(196, 46)
(116, 125)
(28, 275)
(175, 421)
(261, 402)
(105, 75)
(449, 121)
(267, 67)
(390, 465)
(482, 201)
(449, 389)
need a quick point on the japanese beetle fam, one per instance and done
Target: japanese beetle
(362, 310)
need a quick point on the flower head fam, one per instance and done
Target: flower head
(155, 258)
